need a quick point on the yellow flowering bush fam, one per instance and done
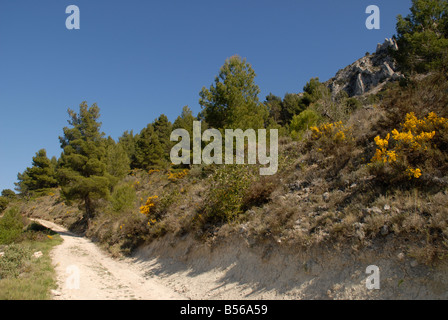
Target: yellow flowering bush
(333, 143)
(382, 154)
(414, 173)
(145, 209)
(174, 176)
(406, 148)
(152, 222)
(334, 131)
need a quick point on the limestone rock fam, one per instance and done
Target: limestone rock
(367, 74)
(38, 254)
(55, 292)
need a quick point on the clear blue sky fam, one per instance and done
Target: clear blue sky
(138, 59)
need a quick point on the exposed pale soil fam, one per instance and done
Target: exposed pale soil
(100, 276)
(173, 268)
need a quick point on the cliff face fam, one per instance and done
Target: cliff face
(368, 73)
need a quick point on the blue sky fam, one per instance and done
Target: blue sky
(138, 59)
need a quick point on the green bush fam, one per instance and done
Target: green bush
(228, 186)
(351, 104)
(8, 193)
(3, 204)
(11, 226)
(302, 122)
(123, 197)
(13, 262)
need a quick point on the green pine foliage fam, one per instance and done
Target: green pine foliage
(282, 111)
(83, 173)
(422, 36)
(40, 177)
(117, 160)
(163, 128)
(127, 142)
(185, 120)
(232, 101)
(149, 151)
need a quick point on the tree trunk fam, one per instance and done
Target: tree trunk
(88, 207)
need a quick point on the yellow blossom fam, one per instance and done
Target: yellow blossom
(414, 173)
(145, 209)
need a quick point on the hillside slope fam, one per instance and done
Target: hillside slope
(308, 232)
(368, 187)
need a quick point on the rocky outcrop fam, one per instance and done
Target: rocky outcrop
(368, 73)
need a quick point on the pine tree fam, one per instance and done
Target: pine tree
(185, 120)
(422, 36)
(127, 141)
(148, 149)
(83, 164)
(39, 177)
(274, 106)
(292, 105)
(163, 127)
(117, 160)
(232, 102)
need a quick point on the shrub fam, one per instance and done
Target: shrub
(418, 144)
(14, 260)
(227, 189)
(329, 134)
(167, 199)
(352, 104)
(123, 197)
(259, 192)
(3, 204)
(8, 193)
(174, 176)
(332, 139)
(11, 226)
(302, 122)
(421, 96)
(150, 203)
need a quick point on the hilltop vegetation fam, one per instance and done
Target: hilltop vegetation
(352, 169)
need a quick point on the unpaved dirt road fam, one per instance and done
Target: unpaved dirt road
(233, 270)
(84, 272)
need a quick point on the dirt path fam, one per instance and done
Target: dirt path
(100, 276)
(233, 270)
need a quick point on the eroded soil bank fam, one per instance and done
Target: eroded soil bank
(233, 269)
